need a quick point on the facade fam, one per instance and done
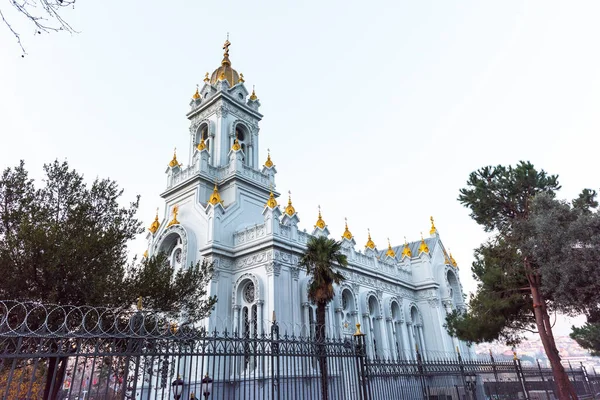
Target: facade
(223, 207)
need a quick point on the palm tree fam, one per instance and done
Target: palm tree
(321, 255)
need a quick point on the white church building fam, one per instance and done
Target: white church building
(223, 207)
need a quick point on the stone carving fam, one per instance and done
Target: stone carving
(253, 259)
(240, 280)
(273, 268)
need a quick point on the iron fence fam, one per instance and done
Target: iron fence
(58, 353)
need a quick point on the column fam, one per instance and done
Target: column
(422, 339)
(405, 345)
(339, 321)
(391, 330)
(236, 319)
(259, 317)
(305, 309)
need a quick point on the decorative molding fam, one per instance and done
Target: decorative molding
(240, 280)
(254, 259)
(174, 230)
(273, 268)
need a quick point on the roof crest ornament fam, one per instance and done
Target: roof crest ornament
(347, 234)
(390, 252)
(406, 250)
(423, 246)
(174, 162)
(370, 244)
(289, 210)
(174, 221)
(268, 163)
(156, 224)
(433, 228)
(320, 223)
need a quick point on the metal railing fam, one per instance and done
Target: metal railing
(59, 352)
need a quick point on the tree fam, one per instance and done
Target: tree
(588, 335)
(533, 264)
(65, 243)
(319, 259)
(42, 15)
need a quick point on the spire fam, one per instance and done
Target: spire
(253, 95)
(241, 78)
(406, 250)
(453, 261)
(206, 78)
(215, 197)
(370, 244)
(390, 252)
(423, 246)
(196, 95)
(320, 223)
(154, 226)
(174, 162)
(433, 229)
(347, 234)
(268, 163)
(202, 145)
(289, 210)
(271, 203)
(174, 220)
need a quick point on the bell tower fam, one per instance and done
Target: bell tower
(222, 111)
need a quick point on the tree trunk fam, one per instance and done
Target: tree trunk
(321, 353)
(57, 378)
(565, 388)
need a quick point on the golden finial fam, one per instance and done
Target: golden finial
(406, 250)
(446, 259)
(242, 78)
(174, 162)
(222, 76)
(347, 233)
(226, 54)
(289, 210)
(253, 95)
(174, 220)
(453, 261)
(206, 78)
(423, 246)
(202, 145)
(154, 226)
(215, 197)
(268, 163)
(174, 331)
(515, 355)
(320, 223)
(358, 332)
(370, 244)
(196, 95)
(145, 255)
(390, 252)
(236, 145)
(271, 203)
(139, 303)
(433, 228)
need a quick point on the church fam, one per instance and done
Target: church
(224, 207)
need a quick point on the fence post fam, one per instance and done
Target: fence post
(519, 371)
(359, 339)
(275, 358)
(495, 373)
(586, 380)
(421, 370)
(543, 380)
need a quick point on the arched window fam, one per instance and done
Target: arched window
(202, 133)
(243, 137)
(348, 311)
(454, 289)
(375, 318)
(248, 322)
(396, 333)
(172, 246)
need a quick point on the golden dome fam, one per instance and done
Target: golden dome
(347, 234)
(271, 203)
(154, 226)
(225, 71)
(423, 246)
(433, 228)
(370, 244)
(390, 252)
(202, 145)
(289, 210)
(320, 223)
(215, 197)
(174, 162)
(174, 220)
(406, 250)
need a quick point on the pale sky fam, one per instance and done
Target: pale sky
(377, 111)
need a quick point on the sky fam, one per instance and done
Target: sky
(376, 111)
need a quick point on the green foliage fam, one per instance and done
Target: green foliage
(557, 240)
(65, 242)
(319, 259)
(588, 336)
